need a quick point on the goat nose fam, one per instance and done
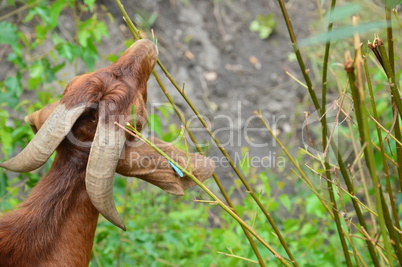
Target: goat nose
(147, 46)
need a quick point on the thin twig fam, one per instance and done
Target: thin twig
(20, 9)
(358, 98)
(342, 167)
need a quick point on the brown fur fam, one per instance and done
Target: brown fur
(55, 226)
(117, 83)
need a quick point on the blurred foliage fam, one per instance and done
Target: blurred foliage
(52, 47)
(145, 20)
(164, 230)
(264, 25)
(37, 51)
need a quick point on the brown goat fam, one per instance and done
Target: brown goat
(55, 226)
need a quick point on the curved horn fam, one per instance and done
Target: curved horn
(48, 138)
(105, 152)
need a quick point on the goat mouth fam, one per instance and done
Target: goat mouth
(146, 45)
(145, 51)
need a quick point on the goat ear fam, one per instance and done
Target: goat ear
(46, 140)
(143, 162)
(38, 118)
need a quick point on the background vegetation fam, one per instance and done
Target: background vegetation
(339, 215)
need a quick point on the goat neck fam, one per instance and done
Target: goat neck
(59, 211)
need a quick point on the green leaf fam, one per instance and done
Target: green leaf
(245, 162)
(392, 3)
(100, 30)
(34, 82)
(57, 39)
(16, 58)
(22, 103)
(24, 39)
(68, 51)
(166, 110)
(44, 98)
(58, 67)
(30, 16)
(44, 13)
(342, 12)
(83, 36)
(291, 225)
(49, 75)
(41, 32)
(265, 25)
(343, 33)
(55, 10)
(13, 84)
(3, 183)
(5, 135)
(231, 240)
(91, 30)
(264, 179)
(90, 4)
(111, 58)
(155, 125)
(89, 54)
(8, 33)
(11, 91)
(314, 206)
(184, 215)
(9, 98)
(36, 69)
(285, 201)
(21, 132)
(171, 134)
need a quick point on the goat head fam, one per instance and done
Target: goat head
(110, 93)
